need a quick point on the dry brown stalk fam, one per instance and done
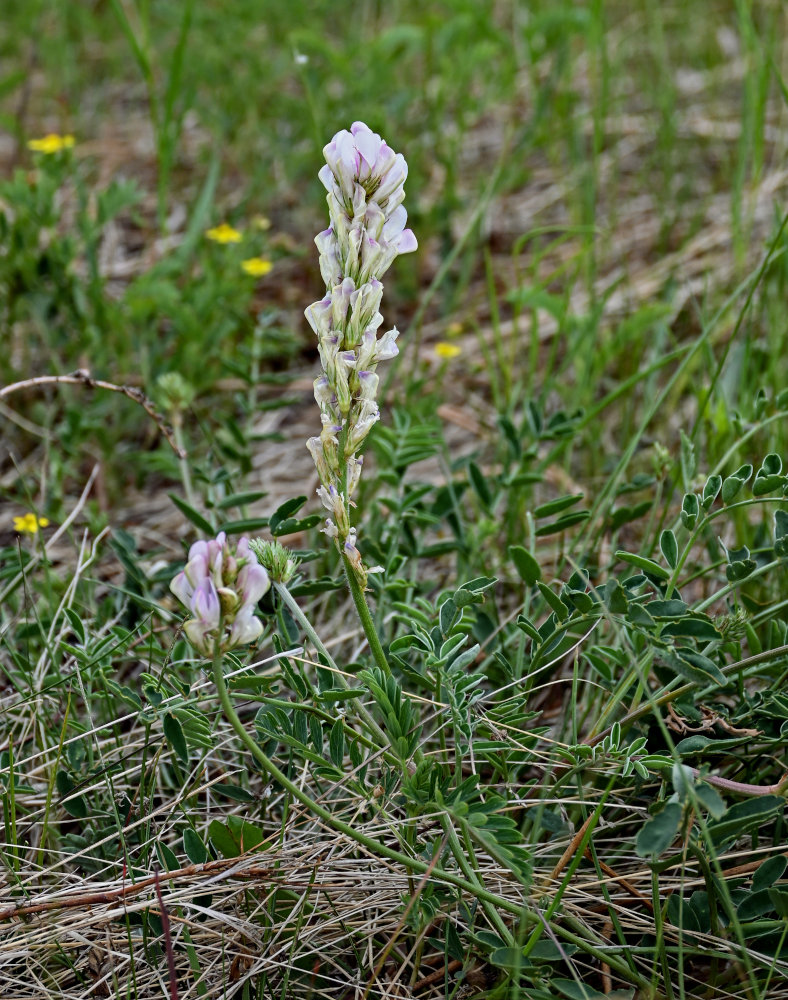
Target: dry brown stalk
(165, 926)
(437, 976)
(88, 899)
(570, 851)
(622, 881)
(83, 377)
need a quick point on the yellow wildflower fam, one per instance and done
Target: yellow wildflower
(261, 222)
(29, 524)
(447, 351)
(258, 267)
(223, 234)
(52, 143)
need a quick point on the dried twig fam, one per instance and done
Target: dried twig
(165, 926)
(83, 377)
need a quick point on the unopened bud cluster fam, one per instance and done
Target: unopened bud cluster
(365, 183)
(221, 585)
(277, 560)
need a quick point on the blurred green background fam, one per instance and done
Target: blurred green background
(589, 182)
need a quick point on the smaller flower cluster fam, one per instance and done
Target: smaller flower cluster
(365, 181)
(28, 524)
(51, 144)
(221, 585)
(224, 233)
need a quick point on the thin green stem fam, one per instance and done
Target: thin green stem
(469, 870)
(295, 610)
(365, 615)
(186, 478)
(672, 693)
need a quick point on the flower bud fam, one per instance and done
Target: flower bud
(319, 316)
(324, 394)
(275, 559)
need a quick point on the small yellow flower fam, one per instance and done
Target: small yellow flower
(454, 329)
(28, 524)
(447, 351)
(258, 267)
(261, 222)
(223, 234)
(52, 143)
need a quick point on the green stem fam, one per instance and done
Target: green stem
(365, 615)
(381, 850)
(672, 693)
(294, 608)
(186, 479)
(470, 871)
(736, 583)
(571, 869)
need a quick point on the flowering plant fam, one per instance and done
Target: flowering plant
(221, 586)
(365, 181)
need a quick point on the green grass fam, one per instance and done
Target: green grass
(548, 759)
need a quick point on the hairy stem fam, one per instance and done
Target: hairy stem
(365, 615)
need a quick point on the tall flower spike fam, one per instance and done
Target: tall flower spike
(365, 181)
